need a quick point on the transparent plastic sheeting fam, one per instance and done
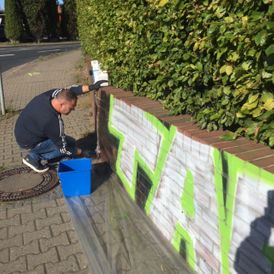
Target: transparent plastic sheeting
(117, 237)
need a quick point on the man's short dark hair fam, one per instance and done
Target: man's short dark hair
(67, 95)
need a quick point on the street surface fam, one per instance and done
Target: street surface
(12, 56)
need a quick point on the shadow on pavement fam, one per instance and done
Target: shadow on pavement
(88, 142)
(101, 172)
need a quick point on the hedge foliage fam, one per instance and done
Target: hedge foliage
(13, 28)
(212, 59)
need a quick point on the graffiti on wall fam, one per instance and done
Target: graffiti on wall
(214, 208)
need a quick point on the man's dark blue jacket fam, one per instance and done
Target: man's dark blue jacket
(39, 121)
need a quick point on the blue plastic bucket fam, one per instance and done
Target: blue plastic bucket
(75, 176)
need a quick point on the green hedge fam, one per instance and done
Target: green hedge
(212, 59)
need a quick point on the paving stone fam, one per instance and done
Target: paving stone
(16, 252)
(19, 210)
(47, 257)
(44, 204)
(58, 209)
(3, 214)
(65, 251)
(82, 260)
(84, 271)
(70, 265)
(57, 229)
(3, 233)
(40, 214)
(41, 223)
(72, 236)
(4, 255)
(15, 230)
(37, 270)
(15, 241)
(10, 222)
(66, 217)
(40, 234)
(15, 204)
(60, 240)
(60, 201)
(12, 267)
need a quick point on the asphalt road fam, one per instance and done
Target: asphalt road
(12, 56)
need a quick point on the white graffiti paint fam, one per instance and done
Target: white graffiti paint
(166, 211)
(187, 155)
(139, 134)
(251, 227)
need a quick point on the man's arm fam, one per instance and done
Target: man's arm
(80, 89)
(85, 88)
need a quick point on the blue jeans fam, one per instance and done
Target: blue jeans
(47, 150)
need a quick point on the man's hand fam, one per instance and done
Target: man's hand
(97, 85)
(78, 152)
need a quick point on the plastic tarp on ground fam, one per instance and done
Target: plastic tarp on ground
(116, 235)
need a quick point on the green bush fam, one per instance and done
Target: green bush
(69, 23)
(13, 28)
(212, 59)
(33, 12)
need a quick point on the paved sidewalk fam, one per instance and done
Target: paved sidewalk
(37, 235)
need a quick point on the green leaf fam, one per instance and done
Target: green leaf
(252, 128)
(192, 66)
(228, 136)
(266, 96)
(240, 115)
(222, 69)
(271, 125)
(270, 50)
(170, 83)
(249, 106)
(233, 57)
(271, 9)
(251, 52)
(196, 45)
(199, 66)
(271, 141)
(220, 53)
(228, 69)
(220, 12)
(225, 79)
(162, 3)
(257, 112)
(267, 115)
(266, 75)
(246, 65)
(244, 21)
(229, 19)
(261, 37)
(186, 56)
(225, 101)
(269, 104)
(252, 98)
(226, 90)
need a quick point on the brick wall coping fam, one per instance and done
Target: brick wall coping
(247, 150)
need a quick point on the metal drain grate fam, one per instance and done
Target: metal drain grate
(21, 183)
